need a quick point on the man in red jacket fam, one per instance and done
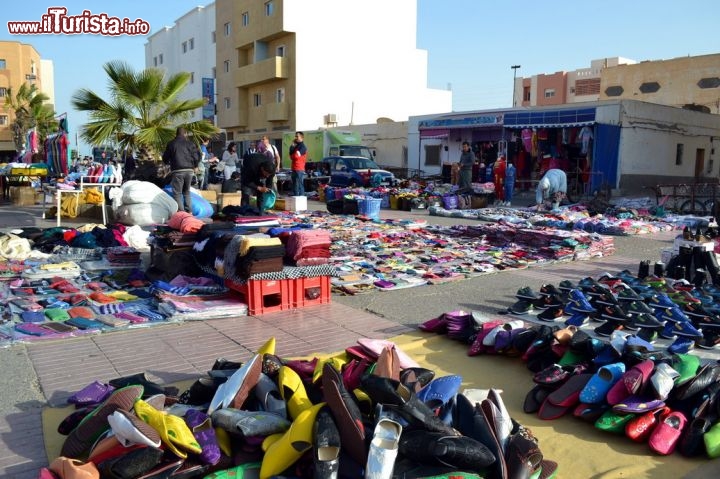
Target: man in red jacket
(298, 156)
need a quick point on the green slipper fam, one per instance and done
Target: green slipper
(614, 422)
(712, 441)
(687, 365)
(571, 358)
(252, 469)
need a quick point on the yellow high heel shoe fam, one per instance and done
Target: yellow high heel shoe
(173, 431)
(293, 392)
(282, 453)
(337, 361)
(267, 348)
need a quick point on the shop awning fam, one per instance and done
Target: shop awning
(550, 118)
(462, 121)
(429, 133)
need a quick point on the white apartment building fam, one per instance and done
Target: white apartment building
(286, 65)
(188, 45)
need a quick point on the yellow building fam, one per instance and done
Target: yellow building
(19, 63)
(690, 82)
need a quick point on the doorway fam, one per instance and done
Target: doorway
(699, 163)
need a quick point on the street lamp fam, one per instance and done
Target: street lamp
(514, 69)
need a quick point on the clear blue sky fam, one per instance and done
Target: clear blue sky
(471, 44)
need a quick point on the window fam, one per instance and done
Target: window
(227, 102)
(192, 77)
(3, 66)
(214, 72)
(160, 59)
(226, 66)
(226, 29)
(257, 99)
(154, 61)
(679, 153)
(212, 36)
(191, 43)
(526, 93)
(280, 95)
(245, 19)
(3, 120)
(3, 91)
(432, 155)
(280, 51)
(184, 47)
(549, 92)
(711, 82)
(269, 8)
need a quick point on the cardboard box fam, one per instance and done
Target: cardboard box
(216, 187)
(22, 195)
(210, 195)
(296, 203)
(228, 199)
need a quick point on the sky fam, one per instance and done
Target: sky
(471, 44)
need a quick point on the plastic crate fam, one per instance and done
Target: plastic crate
(264, 295)
(310, 291)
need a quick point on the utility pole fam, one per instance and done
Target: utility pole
(514, 69)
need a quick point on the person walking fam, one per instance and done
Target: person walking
(183, 156)
(467, 160)
(203, 168)
(298, 157)
(231, 160)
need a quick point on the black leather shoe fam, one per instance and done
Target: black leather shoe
(390, 392)
(326, 442)
(691, 443)
(346, 412)
(706, 376)
(471, 422)
(461, 452)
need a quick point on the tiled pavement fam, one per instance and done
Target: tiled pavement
(168, 354)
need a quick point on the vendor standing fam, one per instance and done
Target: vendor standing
(552, 188)
(183, 157)
(467, 160)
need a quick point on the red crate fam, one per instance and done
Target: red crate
(310, 291)
(264, 295)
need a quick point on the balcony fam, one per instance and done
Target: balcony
(274, 68)
(277, 111)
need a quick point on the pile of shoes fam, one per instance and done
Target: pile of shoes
(653, 305)
(369, 411)
(624, 385)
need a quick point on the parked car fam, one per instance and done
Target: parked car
(357, 171)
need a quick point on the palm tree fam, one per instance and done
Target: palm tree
(28, 105)
(142, 112)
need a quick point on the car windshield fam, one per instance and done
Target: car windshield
(361, 163)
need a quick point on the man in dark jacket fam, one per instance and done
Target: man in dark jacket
(183, 156)
(257, 174)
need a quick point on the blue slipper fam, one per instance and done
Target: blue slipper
(440, 391)
(597, 388)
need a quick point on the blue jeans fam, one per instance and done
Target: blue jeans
(298, 181)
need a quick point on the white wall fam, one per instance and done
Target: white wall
(197, 24)
(361, 64)
(650, 135)
(48, 80)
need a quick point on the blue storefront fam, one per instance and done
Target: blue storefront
(602, 154)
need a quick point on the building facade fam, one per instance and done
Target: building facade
(188, 46)
(20, 63)
(618, 144)
(559, 88)
(686, 82)
(282, 66)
